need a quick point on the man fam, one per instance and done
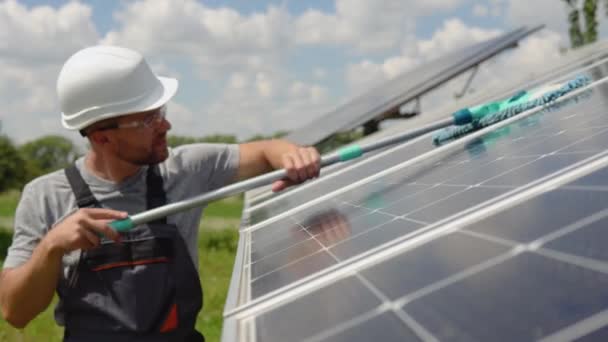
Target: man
(140, 285)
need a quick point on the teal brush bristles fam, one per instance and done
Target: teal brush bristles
(508, 108)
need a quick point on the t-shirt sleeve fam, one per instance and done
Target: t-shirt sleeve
(216, 164)
(28, 230)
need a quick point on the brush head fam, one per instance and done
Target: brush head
(486, 115)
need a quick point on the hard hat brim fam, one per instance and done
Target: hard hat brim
(159, 97)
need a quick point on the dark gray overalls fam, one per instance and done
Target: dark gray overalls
(144, 289)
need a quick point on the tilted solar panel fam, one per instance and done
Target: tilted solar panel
(565, 68)
(394, 93)
(495, 237)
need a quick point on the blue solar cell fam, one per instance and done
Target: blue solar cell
(331, 306)
(478, 283)
(491, 169)
(373, 237)
(537, 169)
(599, 335)
(289, 270)
(430, 263)
(386, 328)
(523, 299)
(455, 204)
(589, 241)
(596, 179)
(542, 214)
(422, 199)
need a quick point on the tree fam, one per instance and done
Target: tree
(177, 140)
(12, 166)
(47, 154)
(583, 33)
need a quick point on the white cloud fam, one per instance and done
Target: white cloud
(533, 54)
(264, 85)
(319, 73)
(480, 10)
(243, 111)
(218, 41)
(34, 42)
(452, 35)
(549, 12)
(43, 35)
(368, 26)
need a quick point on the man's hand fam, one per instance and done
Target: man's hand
(82, 230)
(302, 164)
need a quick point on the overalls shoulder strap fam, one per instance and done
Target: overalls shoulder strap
(84, 196)
(155, 195)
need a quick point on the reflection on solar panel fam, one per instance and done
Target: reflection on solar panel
(404, 88)
(585, 59)
(498, 236)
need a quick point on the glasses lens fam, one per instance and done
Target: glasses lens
(156, 117)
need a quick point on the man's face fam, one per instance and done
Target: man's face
(140, 138)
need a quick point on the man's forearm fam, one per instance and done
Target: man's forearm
(27, 290)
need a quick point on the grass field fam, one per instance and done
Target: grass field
(217, 248)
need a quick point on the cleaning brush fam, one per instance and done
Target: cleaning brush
(484, 115)
(469, 120)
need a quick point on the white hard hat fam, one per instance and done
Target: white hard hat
(103, 82)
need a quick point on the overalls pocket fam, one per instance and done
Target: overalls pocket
(128, 286)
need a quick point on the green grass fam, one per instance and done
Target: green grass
(216, 256)
(231, 207)
(8, 202)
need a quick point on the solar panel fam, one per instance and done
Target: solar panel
(400, 153)
(404, 88)
(496, 236)
(584, 59)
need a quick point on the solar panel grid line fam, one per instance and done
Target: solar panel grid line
(571, 227)
(537, 247)
(580, 329)
(575, 330)
(593, 265)
(409, 321)
(309, 183)
(437, 151)
(426, 205)
(456, 277)
(504, 94)
(423, 333)
(324, 335)
(352, 165)
(532, 246)
(517, 249)
(431, 232)
(529, 262)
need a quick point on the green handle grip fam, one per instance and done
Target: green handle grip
(122, 225)
(350, 152)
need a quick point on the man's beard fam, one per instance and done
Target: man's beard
(153, 156)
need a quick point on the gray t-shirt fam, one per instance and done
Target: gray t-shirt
(189, 170)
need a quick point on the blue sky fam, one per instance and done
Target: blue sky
(250, 67)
